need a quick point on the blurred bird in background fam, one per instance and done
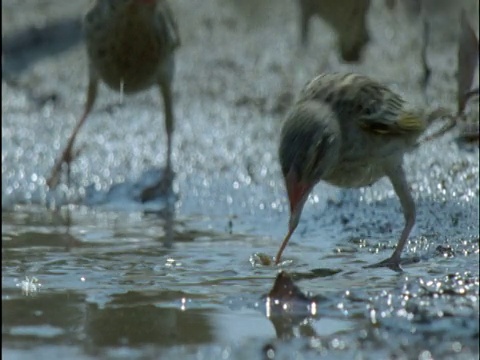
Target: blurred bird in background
(348, 18)
(130, 47)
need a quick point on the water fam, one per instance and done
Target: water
(93, 279)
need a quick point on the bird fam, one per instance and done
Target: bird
(348, 18)
(349, 130)
(131, 47)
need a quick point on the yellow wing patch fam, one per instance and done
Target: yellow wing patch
(410, 122)
(406, 122)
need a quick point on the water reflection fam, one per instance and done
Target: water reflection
(143, 324)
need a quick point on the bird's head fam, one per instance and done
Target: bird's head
(309, 148)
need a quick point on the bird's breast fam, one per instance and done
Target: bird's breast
(354, 174)
(127, 56)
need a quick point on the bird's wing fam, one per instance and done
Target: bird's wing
(357, 98)
(167, 26)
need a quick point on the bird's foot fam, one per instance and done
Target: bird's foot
(163, 187)
(392, 263)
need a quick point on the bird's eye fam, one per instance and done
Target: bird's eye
(368, 111)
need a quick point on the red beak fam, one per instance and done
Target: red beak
(297, 195)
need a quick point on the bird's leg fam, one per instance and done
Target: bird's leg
(305, 14)
(166, 91)
(169, 220)
(169, 125)
(67, 156)
(165, 184)
(400, 185)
